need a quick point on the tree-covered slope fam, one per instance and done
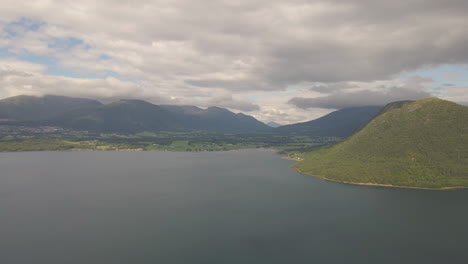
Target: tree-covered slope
(394, 105)
(216, 119)
(422, 144)
(124, 116)
(27, 108)
(131, 116)
(340, 123)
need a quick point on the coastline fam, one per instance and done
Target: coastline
(377, 184)
(288, 158)
(144, 150)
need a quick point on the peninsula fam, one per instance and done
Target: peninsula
(423, 144)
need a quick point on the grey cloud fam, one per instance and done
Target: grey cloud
(229, 102)
(412, 89)
(341, 100)
(235, 85)
(218, 83)
(332, 87)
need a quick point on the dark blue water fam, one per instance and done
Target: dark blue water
(219, 207)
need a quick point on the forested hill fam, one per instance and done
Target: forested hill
(421, 144)
(25, 107)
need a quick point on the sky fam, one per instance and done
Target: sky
(283, 61)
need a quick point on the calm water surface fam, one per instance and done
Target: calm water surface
(218, 207)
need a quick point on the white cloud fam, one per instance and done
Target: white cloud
(456, 94)
(13, 65)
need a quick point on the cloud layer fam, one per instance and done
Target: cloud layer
(225, 52)
(342, 95)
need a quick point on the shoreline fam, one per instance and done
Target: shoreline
(377, 184)
(143, 150)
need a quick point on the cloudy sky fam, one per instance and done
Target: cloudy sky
(283, 61)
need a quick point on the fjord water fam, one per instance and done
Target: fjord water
(214, 207)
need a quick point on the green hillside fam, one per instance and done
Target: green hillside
(26, 108)
(215, 119)
(394, 105)
(124, 116)
(421, 144)
(133, 116)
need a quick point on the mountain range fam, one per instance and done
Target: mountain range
(215, 119)
(27, 108)
(132, 116)
(124, 116)
(340, 123)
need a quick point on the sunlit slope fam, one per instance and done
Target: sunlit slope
(422, 144)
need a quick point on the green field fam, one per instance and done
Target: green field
(46, 144)
(161, 141)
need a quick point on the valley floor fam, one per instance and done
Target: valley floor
(163, 141)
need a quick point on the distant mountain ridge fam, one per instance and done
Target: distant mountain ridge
(24, 107)
(124, 116)
(133, 116)
(413, 144)
(340, 123)
(215, 119)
